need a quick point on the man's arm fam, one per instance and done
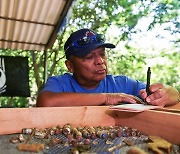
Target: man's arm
(49, 99)
(161, 95)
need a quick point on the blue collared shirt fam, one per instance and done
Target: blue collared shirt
(110, 84)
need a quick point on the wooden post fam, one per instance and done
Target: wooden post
(45, 66)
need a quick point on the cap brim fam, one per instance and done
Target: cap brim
(81, 52)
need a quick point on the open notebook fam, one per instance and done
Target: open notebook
(133, 107)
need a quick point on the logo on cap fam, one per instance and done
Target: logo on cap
(89, 33)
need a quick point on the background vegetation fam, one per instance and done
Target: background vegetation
(126, 24)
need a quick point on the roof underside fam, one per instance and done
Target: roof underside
(31, 24)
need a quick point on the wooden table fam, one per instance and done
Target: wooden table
(165, 123)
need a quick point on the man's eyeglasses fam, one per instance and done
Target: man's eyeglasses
(87, 40)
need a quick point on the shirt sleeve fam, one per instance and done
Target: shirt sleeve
(53, 85)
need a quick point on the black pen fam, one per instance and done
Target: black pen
(148, 81)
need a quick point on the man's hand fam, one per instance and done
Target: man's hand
(117, 98)
(161, 95)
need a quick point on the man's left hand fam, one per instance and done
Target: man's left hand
(160, 95)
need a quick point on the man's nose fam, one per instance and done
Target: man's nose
(99, 60)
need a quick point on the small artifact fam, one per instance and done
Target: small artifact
(119, 133)
(52, 131)
(81, 148)
(66, 144)
(112, 135)
(91, 128)
(128, 132)
(40, 134)
(74, 131)
(79, 128)
(74, 151)
(31, 136)
(14, 140)
(36, 147)
(157, 143)
(86, 134)
(79, 138)
(109, 142)
(74, 142)
(102, 134)
(111, 149)
(92, 134)
(58, 131)
(54, 141)
(47, 136)
(27, 130)
(66, 129)
(128, 142)
(21, 138)
(95, 142)
(87, 141)
(78, 135)
(69, 138)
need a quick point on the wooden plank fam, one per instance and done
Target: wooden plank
(13, 120)
(163, 124)
(177, 106)
(172, 109)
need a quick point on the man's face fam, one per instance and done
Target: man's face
(91, 69)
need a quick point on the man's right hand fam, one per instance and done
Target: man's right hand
(117, 98)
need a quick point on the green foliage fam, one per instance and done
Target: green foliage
(128, 64)
(168, 71)
(165, 66)
(14, 102)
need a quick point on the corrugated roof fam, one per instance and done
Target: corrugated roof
(31, 24)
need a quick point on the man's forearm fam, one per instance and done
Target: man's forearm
(48, 99)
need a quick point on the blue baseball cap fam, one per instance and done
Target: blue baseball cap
(71, 48)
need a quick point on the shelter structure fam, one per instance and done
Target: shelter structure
(31, 25)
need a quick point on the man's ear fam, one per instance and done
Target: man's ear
(69, 66)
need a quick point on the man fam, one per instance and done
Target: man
(88, 82)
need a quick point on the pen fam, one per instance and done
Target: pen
(148, 81)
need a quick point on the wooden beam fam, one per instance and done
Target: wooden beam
(13, 120)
